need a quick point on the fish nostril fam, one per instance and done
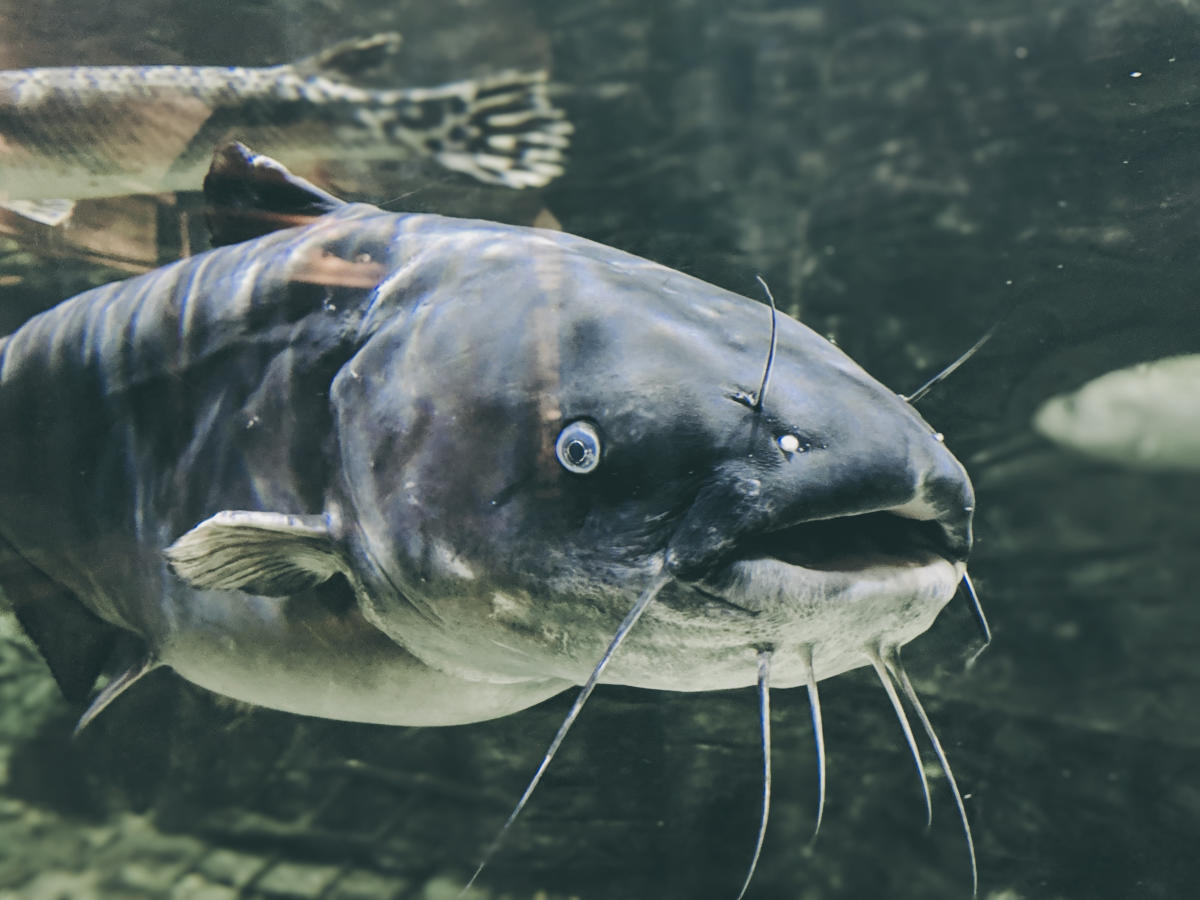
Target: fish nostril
(953, 497)
(941, 493)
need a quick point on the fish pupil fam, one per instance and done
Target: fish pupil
(577, 452)
(578, 447)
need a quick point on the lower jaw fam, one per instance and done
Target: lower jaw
(769, 585)
(838, 619)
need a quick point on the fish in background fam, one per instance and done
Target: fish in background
(1145, 417)
(101, 131)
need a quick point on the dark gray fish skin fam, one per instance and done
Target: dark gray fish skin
(144, 406)
(104, 131)
(381, 395)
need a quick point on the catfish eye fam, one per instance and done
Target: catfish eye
(578, 447)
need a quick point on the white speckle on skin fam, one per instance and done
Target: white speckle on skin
(450, 563)
(789, 443)
(751, 487)
(497, 250)
(556, 637)
(504, 606)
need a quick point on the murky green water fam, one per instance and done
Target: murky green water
(906, 176)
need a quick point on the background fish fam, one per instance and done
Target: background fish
(1146, 416)
(72, 133)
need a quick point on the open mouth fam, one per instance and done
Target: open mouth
(848, 543)
(827, 556)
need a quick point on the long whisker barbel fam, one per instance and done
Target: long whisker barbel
(755, 400)
(764, 715)
(889, 688)
(980, 618)
(891, 658)
(976, 607)
(657, 583)
(949, 370)
(762, 387)
(814, 705)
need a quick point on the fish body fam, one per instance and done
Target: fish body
(1145, 416)
(411, 469)
(100, 131)
(361, 414)
(418, 470)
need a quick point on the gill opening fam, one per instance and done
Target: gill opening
(657, 582)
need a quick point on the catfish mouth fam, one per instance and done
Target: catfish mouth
(828, 555)
(853, 543)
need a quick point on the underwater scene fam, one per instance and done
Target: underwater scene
(432, 493)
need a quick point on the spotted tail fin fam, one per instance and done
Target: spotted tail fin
(501, 130)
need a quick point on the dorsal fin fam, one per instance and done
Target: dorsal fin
(247, 195)
(352, 57)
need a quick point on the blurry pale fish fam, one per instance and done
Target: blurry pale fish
(1146, 416)
(73, 133)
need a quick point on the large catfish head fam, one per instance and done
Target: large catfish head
(537, 425)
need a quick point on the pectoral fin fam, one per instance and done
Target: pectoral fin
(272, 554)
(114, 689)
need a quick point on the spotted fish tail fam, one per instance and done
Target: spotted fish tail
(501, 130)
